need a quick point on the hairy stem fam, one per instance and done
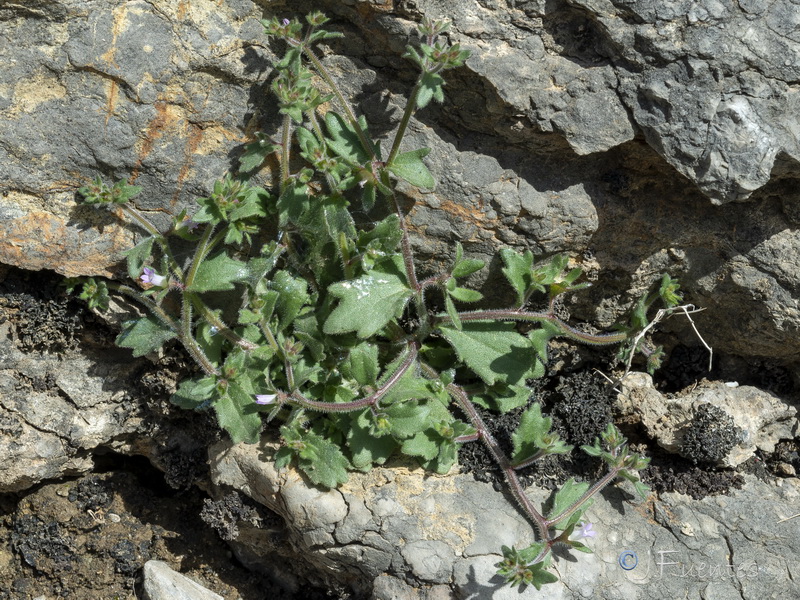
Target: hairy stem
(514, 484)
(361, 403)
(154, 308)
(210, 316)
(286, 145)
(351, 117)
(145, 224)
(565, 329)
(599, 485)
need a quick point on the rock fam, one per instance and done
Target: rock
(162, 583)
(404, 531)
(761, 419)
(52, 426)
(562, 133)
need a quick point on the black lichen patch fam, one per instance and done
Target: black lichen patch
(89, 539)
(711, 435)
(44, 318)
(668, 473)
(91, 493)
(41, 544)
(583, 403)
(225, 514)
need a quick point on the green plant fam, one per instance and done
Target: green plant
(333, 333)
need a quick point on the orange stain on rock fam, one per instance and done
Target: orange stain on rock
(111, 102)
(40, 240)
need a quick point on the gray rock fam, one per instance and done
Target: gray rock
(563, 133)
(162, 583)
(413, 529)
(51, 433)
(761, 419)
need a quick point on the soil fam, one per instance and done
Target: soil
(88, 537)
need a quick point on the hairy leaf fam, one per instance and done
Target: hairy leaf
(568, 495)
(138, 255)
(518, 271)
(495, 351)
(365, 448)
(218, 274)
(238, 414)
(362, 364)
(144, 335)
(409, 166)
(344, 140)
(293, 295)
(193, 394)
(368, 303)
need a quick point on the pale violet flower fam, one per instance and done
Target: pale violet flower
(285, 21)
(585, 530)
(151, 277)
(266, 398)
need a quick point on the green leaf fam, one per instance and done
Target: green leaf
(425, 444)
(293, 293)
(541, 577)
(368, 196)
(518, 271)
(533, 435)
(452, 312)
(193, 394)
(362, 364)
(238, 414)
(322, 460)
(532, 427)
(368, 303)
(540, 339)
(344, 140)
(568, 495)
(409, 166)
(255, 153)
(408, 418)
(463, 267)
(503, 398)
(292, 203)
(210, 342)
(308, 143)
(144, 335)
(468, 267)
(430, 88)
(138, 255)
(494, 351)
(384, 237)
(366, 449)
(465, 295)
(218, 274)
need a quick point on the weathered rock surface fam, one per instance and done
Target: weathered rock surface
(759, 418)
(563, 133)
(639, 136)
(51, 426)
(411, 535)
(162, 583)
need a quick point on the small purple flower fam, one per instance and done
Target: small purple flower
(285, 21)
(189, 224)
(585, 530)
(265, 399)
(151, 277)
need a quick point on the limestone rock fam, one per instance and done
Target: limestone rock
(401, 533)
(51, 431)
(162, 583)
(761, 419)
(564, 132)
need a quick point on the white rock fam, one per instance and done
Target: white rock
(162, 583)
